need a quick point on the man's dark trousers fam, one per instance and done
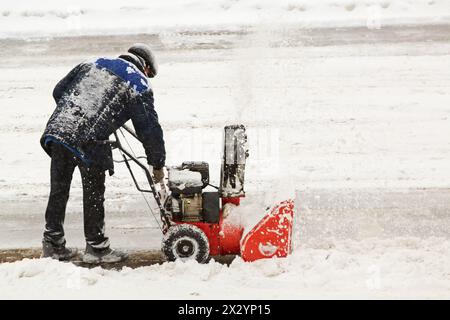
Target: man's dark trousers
(63, 164)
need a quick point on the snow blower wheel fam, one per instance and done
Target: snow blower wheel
(185, 242)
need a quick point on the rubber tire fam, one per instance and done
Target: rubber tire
(189, 233)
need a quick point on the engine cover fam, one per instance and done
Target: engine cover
(189, 178)
(184, 181)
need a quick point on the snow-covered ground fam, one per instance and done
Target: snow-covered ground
(397, 268)
(356, 121)
(69, 17)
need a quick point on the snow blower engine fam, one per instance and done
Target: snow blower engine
(196, 223)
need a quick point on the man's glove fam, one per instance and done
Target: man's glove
(158, 174)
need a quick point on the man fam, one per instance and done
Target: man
(92, 101)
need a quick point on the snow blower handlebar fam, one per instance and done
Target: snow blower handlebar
(127, 156)
(131, 131)
(117, 145)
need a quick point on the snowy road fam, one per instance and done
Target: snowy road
(355, 120)
(369, 111)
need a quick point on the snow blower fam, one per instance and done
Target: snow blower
(195, 222)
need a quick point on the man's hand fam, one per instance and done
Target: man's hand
(158, 175)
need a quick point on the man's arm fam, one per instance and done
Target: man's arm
(148, 129)
(62, 85)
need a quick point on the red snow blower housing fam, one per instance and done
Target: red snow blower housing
(195, 221)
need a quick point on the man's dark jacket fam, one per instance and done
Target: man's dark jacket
(94, 100)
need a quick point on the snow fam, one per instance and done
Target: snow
(405, 267)
(185, 178)
(22, 18)
(254, 206)
(131, 70)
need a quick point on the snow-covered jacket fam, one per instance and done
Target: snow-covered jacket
(95, 99)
